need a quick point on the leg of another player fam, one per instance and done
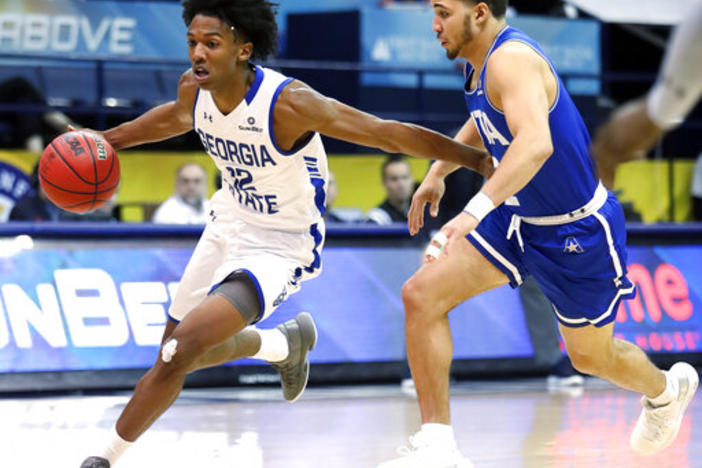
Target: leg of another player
(428, 296)
(595, 351)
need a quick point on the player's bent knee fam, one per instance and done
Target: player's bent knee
(589, 363)
(412, 295)
(179, 355)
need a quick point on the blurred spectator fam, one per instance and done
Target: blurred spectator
(24, 129)
(399, 186)
(188, 205)
(35, 205)
(339, 215)
(697, 190)
(108, 212)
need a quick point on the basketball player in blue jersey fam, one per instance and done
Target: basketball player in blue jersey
(266, 230)
(635, 127)
(543, 212)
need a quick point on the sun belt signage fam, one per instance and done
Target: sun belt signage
(105, 308)
(92, 29)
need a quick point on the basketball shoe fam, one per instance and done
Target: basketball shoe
(294, 370)
(425, 453)
(657, 427)
(95, 462)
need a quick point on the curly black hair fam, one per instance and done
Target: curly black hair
(254, 18)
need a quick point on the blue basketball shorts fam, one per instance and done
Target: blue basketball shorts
(579, 265)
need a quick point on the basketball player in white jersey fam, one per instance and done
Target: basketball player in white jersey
(266, 230)
(636, 126)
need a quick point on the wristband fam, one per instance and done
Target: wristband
(479, 206)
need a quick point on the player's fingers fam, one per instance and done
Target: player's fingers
(71, 128)
(434, 209)
(435, 247)
(416, 216)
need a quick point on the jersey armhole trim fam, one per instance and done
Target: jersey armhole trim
(271, 133)
(550, 66)
(197, 95)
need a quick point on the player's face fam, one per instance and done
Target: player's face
(398, 181)
(452, 25)
(213, 51)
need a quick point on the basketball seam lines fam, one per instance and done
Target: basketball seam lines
(75, 191)
(92, 157)
(112, 166)
(69, 166)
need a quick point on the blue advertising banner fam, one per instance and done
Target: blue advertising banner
(105, 308)
(92, 29)
(406, 38)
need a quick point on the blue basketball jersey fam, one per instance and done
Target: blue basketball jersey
(568, 179)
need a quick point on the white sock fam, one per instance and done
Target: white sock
(116, 447)
(441, 433)
(274, 345)
(672, 388)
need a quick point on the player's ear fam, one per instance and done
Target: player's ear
(480, 12)
(245, 51)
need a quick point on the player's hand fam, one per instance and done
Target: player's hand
(71, 128)
(451, 233)
(430, 191)
(487, 167)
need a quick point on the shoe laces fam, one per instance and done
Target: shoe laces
(657, 420)
(416, 442)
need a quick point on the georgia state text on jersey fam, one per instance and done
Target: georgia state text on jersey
(261, 183)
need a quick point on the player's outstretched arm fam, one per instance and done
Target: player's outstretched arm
(160, 123)
(432, 188)
(306, 110)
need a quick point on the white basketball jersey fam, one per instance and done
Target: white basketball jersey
(262, 184)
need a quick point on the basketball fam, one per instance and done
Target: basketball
(79, 171)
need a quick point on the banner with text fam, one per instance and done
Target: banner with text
(105, 308)
(406, 38)
(92, 29)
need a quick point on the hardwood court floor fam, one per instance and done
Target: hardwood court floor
(515, 424)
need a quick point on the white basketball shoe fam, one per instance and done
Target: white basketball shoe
(657, 427)
(425, 453)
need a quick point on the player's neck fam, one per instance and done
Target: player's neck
(477, 50)
(230, 96)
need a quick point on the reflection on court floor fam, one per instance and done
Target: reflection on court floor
(515, 424)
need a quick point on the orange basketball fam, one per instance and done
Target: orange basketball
(79, 171)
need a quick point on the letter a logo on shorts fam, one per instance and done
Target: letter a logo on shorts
(572, 246)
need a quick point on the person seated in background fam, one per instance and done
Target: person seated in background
(35, 205)
(338, 215)
(696, 190)
(188, 205)
(399, 186)
(25, 130)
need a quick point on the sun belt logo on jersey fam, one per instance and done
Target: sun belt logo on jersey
(251, 126)
(572, 246)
